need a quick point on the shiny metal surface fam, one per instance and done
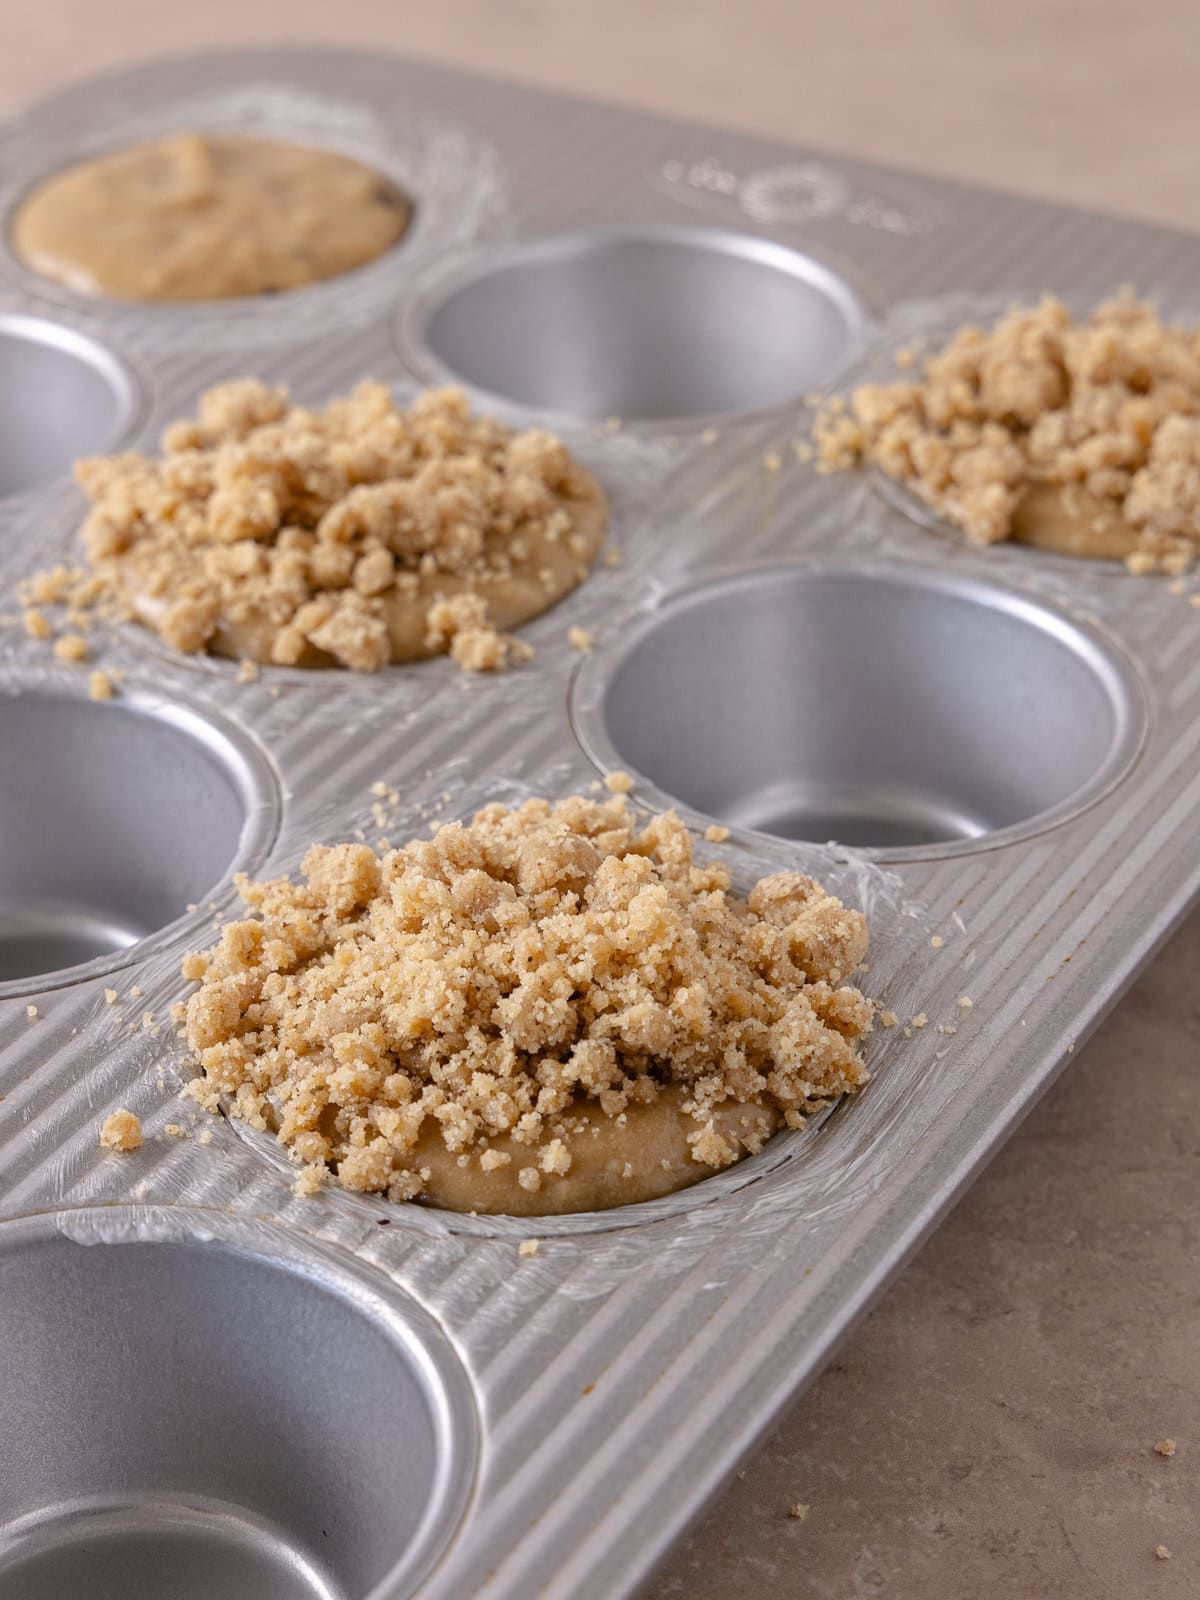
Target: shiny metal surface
(62, 395)
(646, 323)
(623, 1370)
(887, 707)
(198, 1407)
(117, 818)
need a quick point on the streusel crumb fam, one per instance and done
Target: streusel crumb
(270, 532)
(122, 1131)
(1078, 435)
(545, 1009)
(71, 647)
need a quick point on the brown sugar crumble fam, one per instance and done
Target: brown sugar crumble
(1165, 1447)
(122, 1131)
(351, 536)
(545, 1009)
(71, 647)
(1077, 435)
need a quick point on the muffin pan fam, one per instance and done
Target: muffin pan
(220, 1386)
(639, 324)
(62, 396)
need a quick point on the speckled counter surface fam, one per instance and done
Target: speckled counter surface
(988, 1432)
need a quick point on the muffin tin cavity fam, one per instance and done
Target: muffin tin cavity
(896, 708)
(62, 396)
(206, 1408)
(116, 817)
(640, 323)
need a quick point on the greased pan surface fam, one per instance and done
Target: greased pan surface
(577, 1406)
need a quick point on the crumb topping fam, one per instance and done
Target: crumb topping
(491, 1007)
(350, 536)
(1090, 424)
(122, 1131)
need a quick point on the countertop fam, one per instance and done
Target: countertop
(987, 1433)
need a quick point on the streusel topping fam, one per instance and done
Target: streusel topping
(350, 536)
(547, 1009)
(1075, 434)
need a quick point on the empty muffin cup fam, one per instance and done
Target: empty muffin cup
(116, 818)
(62, 396)
(901, 709)
(201, 1406)
(640, 323)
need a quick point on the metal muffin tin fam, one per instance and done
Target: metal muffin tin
(224, 1387)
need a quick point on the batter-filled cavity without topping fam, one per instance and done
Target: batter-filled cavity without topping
(547, 1010)
(1076, 436)
(350, 536)
(208, 217)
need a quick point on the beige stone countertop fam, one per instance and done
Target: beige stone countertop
(987, 1433)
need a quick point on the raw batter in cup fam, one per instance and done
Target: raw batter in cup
(547, 1010)
(351, 536)
(208, 217)
(1081, 437)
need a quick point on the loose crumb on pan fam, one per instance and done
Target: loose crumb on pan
(580, 639)
(799, 1511)
(618, 782)
(888, 1019)
(71, 647)
(100, 686)
(965, 1003)
(349, 536)
(487, 983)
(936, 942)
(1162, 1553)
(110, 997)
(527, 1247)
(31, 1013)
(1105, 408)
(716, 833)
(309, 1180)
(122, 1131)
(1165, 1447)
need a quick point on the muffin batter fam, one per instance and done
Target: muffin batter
(350, 536)
(547, 1010)
(208, 217)
(1076, 436)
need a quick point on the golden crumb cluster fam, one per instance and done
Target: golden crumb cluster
(1075, 435)
(350, 536)
(548, 1009)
